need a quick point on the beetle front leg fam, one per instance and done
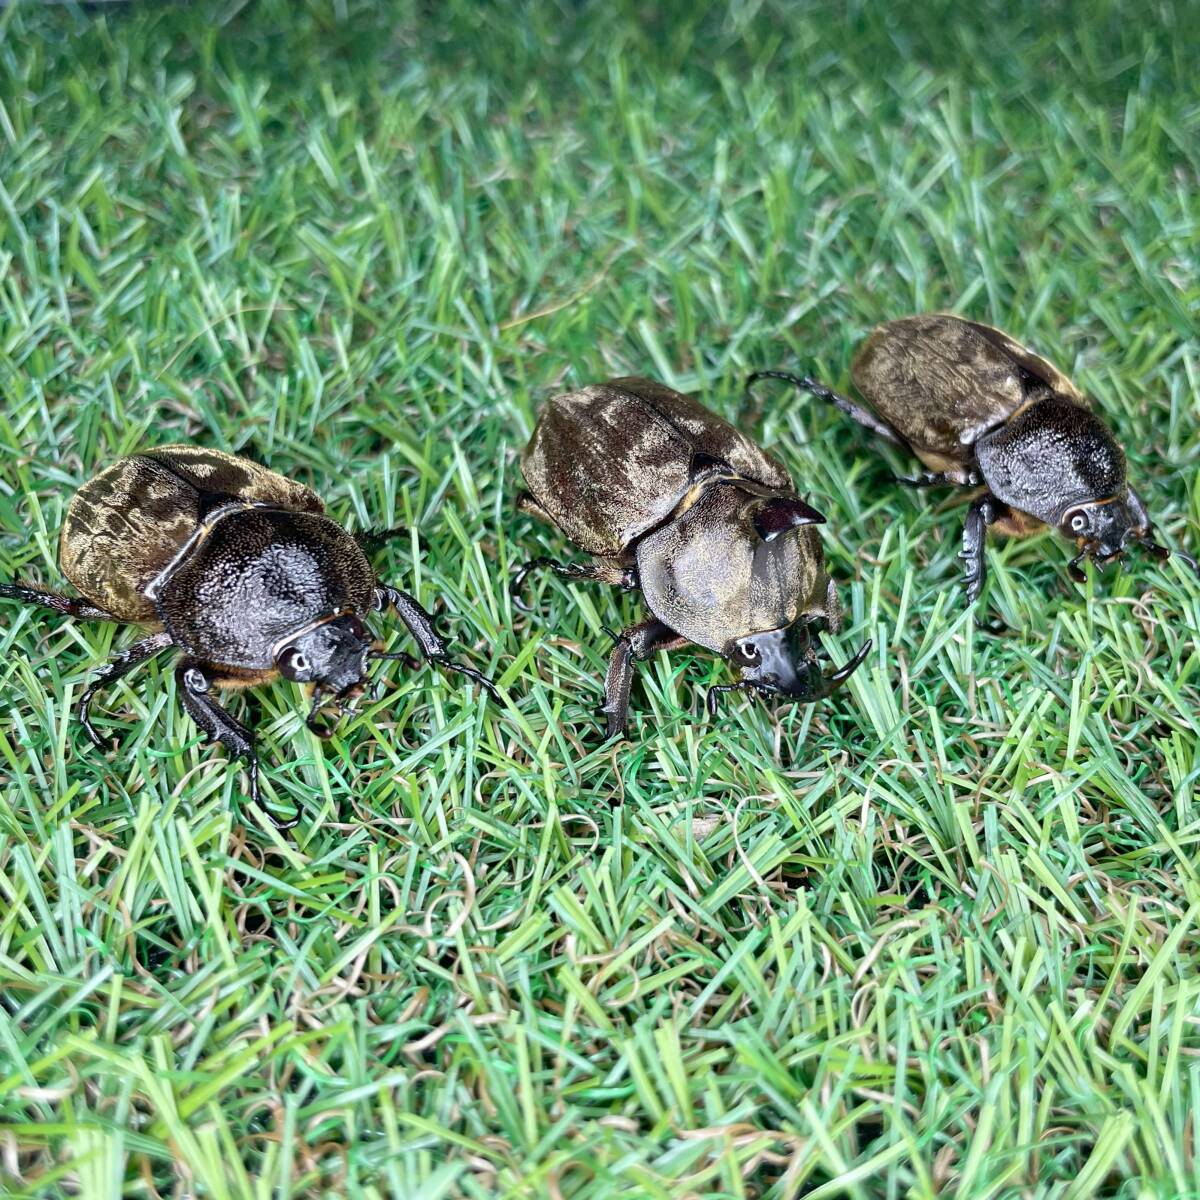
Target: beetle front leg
(635, 643)
(1137, 507)
(982, 513)
(432, 645)
(599, 571)
(69, 606)
(120, 664)
(194, 684)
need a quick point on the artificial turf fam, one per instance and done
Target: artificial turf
(937, 935)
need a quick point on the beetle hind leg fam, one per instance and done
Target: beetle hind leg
(69, 606)
(598, 571)
(525, 503)
(856, 412)
(120, 664)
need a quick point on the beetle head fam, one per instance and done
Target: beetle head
(1101, 528)
(333, 656)
(780, 662)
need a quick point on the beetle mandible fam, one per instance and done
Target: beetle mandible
(238, 568)
(977, 407)
(670, 499)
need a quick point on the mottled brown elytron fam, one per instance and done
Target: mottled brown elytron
(670, 499)
(942, 383)
(977, 407)
(237, 568)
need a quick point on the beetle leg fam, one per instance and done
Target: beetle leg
(721, 689)
(1076, 572)
(525, 503)
(833, 608)
(371, 540)
(928, 479)
(983, 512)
(856, 412)
(120, 664)
(1137, 506)
(431, 644)
(830, 683)
(600, 571)
(635, 643)
(69, 606)
(194, 684)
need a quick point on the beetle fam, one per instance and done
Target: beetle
(239, 569)
(671, 500)
(978, 408)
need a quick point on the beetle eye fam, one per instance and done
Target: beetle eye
(747, 653)
(293, 663)
(1078, 523)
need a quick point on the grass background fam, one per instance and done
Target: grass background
(936, 936)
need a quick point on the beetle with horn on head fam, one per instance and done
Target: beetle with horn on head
(673, 501)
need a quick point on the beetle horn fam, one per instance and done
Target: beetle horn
(782, 513)
(830, 683)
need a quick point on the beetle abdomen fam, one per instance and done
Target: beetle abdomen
(611, 461)
(942, 382)
(1055, 455)
(126, 524)
(711, 577)
(259, 577)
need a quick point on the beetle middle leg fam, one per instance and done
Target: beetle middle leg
(598, 571)
(69, 606)
(633, 644)
(432, 645)
(984, 511)
(856, 412)
(120, 664)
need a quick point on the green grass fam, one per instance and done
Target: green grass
(939, 935)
